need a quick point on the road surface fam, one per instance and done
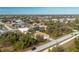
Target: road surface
(54, 42)
(6, 26)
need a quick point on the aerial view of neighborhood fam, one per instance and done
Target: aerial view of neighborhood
(47, 32)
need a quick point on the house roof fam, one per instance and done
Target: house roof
(23, 29)
(40, 34)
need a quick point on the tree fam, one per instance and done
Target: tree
(17, 39)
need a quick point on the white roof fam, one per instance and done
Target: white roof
(70, 18)
(23, 29)
(54, 19)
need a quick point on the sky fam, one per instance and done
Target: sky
(39, 10)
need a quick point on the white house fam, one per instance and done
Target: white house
(23, 29)
(70, 19)
(55, 20)
(61, 20)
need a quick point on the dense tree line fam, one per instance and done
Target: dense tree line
(57, 29)
(17, 40)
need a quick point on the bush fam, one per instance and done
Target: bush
(57, 49)
(17, 39)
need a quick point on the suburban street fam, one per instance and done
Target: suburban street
(6, 26)
(54, 42)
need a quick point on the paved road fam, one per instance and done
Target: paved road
(6, 26)
(54, 42)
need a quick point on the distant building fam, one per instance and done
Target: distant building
(24, 30)
(70, 19)
(61, 20)
(55, 20)
(39, 25)
(18, 23)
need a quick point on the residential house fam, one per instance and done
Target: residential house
(23, 30)
(55, 20)
(39, 26)
(41, 36)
